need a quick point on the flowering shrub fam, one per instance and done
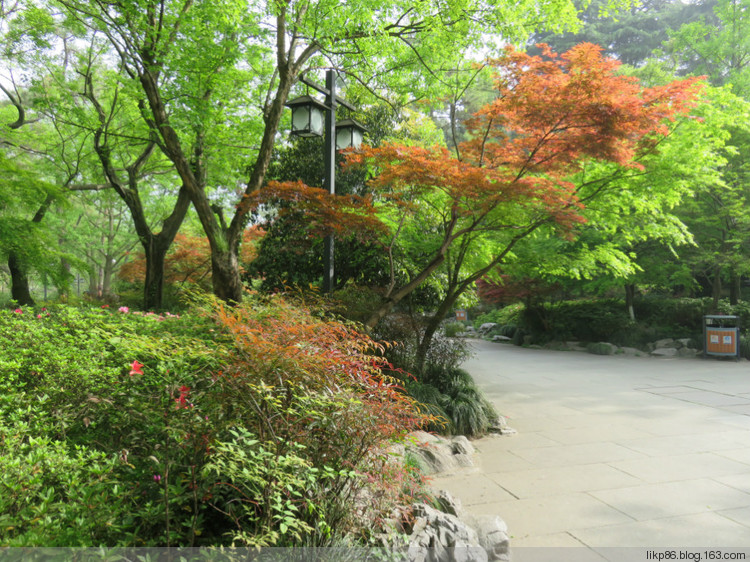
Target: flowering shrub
(159, 423)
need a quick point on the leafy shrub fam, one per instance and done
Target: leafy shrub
(744, 347)
(52, 495)
(510, 314)
(404, 334)
(583, 320)
(355, 302)
(431, 401)
(600, 348)
(149, 416)
(451, 329)
(447, 353)
(518, 336)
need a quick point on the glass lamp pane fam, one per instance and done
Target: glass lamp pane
(343, 138)
(357, 138)
(300, 118)
(316, 121)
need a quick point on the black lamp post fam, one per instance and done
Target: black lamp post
(311, 118)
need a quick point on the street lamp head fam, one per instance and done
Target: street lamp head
(307, 116)
(349, 133)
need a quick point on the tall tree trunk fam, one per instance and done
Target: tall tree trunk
(156, 248)
(716, 289)
(629, 299)
(19, 287)
(225, 276)
(734, 287)
(431, 329)
(153, 290)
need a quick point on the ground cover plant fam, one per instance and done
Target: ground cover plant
(257, 425)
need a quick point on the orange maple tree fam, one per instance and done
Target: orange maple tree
(552, 114)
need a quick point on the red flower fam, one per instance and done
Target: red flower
(182, 402)
(136, 368)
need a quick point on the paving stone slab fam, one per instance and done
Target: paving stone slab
(585, 453)
(739, 455)
(578, 413)
(671, 499)
(697, 531)
(543, 482)
(552, 514)
(682, 467)
(740, 515)
(472, 489)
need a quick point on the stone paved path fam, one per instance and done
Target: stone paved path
(612, 451)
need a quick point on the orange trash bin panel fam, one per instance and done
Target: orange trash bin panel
(721, 340)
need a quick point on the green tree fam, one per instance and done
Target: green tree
(202, 67)
(527, 167)
(717, 46)
(631, 35)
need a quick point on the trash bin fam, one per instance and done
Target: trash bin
(461, 316)
(721, 336)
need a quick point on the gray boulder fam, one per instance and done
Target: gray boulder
(493, 536)
(436, 454)
(665, 343)
(460, 445)
(448, 504)
(486, 327)
(664, 352)
(441, 537)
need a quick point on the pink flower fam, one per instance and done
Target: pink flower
(38, 315)
(136, 368)
(124, 309)
(18, 311)
(157, 477)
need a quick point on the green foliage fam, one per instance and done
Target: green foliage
(600, 348)
(248, 468)
(254, 426)
(452, 394)
(510, 314)
(452, 328)
(52, 494)
(519, 336)
(586, 320)
(606, 320)
(745, 347)
(443, 390)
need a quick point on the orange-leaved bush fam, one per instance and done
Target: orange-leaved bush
(315, 389)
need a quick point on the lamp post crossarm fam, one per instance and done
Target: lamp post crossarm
(326, 92)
